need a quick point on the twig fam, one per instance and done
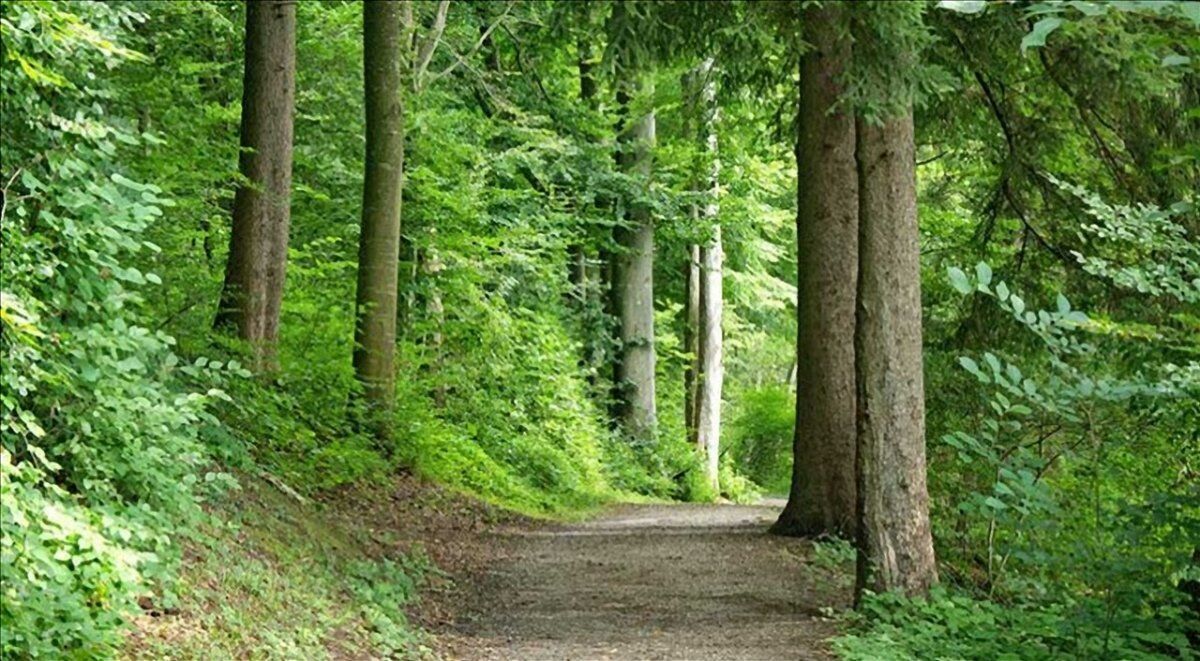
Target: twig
(430, 43)
(461, 59)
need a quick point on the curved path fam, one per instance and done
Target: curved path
(650, 582)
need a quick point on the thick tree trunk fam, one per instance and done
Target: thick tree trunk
(710, 345)
(691, 335)
(633, 290)
(822, 498)
(379, 241)
(895, 544)
(254, 273)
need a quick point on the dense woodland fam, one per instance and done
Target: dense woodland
(931, 269)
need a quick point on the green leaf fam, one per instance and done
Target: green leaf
(963, 6)
(1002, 291)
(1175, 60)
(1190, 10)
(1042, 29)
(959, 280)
(1018, 304)
(121, 179)
(1064, 306)
(984, 273)
(1089, 8)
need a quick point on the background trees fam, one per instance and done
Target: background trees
(1055, 164)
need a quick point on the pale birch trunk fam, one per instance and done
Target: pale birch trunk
(710, 345)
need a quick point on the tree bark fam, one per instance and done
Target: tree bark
(711, 371)
(822, 498)
(379, 240)
(633, 285)
(894, 540)
(252, 294)
(691, 335)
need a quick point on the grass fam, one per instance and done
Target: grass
(276, 578)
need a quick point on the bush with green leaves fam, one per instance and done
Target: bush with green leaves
(760, 436)
(102, 458)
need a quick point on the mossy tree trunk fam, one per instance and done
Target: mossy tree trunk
(379, 241)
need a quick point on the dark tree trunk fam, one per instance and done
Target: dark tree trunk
(822, 498)
(379, 241)
(894, 539)
(254, 273)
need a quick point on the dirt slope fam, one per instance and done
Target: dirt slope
(647, 582)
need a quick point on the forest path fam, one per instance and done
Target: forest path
(649, 582)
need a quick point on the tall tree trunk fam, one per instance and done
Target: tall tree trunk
(577, 270)
(895, 544)
(710, 345)
(633, 289)
(822, 498)
(691, 334)
(254, 273)
(431, 266)
(379, 241)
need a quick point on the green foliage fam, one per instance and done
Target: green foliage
(1060, 154)
(273, 577)
(954, 626)
(103, 457)
(760, 436)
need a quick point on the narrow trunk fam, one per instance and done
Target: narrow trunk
(633, 291)
(254, 273)
(710, 350)
(822, 498)
(712, 368)
(691, 336)
(895, 544)
(431, 266)
(576, 255)
(379, 241)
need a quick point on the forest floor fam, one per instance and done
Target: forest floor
(647, 582)
(286, 578)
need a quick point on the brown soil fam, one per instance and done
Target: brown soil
(639, 582)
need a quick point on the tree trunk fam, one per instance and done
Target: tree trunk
(379, 241)
(895, 544)
(691, 335)
(710, 350)
(712, 368)
(822, 498)
(576, 255)
(633, 285)
(431, 266)
(254, 273)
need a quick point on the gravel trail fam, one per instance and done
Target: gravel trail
(649, 582)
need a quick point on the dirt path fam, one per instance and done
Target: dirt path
(649, 582)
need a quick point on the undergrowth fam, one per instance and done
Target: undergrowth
(272, 577)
